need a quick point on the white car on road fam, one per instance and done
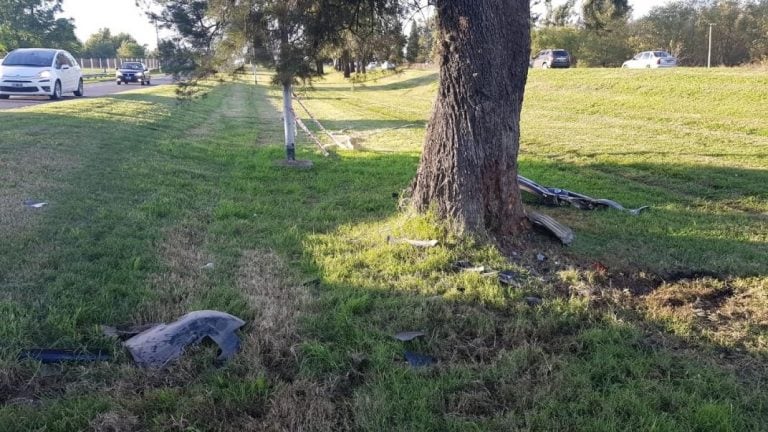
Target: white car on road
(651, 59)
(40, 72)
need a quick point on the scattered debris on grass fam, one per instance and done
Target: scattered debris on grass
(509, 277)
(406, 336)
(417, 360)
(35, 203)
(533, 301)
(466, 266)
(557, 197)
(208, 266)
(158, 345)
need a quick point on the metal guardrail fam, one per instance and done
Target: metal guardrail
(97, 75)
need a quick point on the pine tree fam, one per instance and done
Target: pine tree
(413, 48)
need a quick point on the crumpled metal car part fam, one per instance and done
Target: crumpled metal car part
(155, 347)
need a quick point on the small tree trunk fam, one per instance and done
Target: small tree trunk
(319, 67)
(468, 170)
(289, 123)
(345, 64)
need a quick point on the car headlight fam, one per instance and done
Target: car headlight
(44, 74)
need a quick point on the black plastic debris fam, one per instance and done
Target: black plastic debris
(31, 203)
(466, 266)
(409, 335)
(125, 333)
(533, 301)
(48, 356)
(419, 360)
(157, 346)
(508, 277)
(557, 197)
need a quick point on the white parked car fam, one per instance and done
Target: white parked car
(651, 59)
(40, 72)
(385, 65)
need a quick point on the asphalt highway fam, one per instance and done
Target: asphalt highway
(92, 90)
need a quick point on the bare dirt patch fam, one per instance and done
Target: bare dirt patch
(729, 312)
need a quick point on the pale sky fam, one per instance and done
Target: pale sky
(123, 16)
(119, 16)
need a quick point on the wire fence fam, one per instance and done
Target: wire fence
(109, 64)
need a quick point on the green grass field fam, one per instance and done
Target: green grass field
(656, 322)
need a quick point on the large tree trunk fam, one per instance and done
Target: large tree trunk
(468, 170)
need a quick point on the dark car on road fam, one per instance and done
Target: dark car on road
(133, 72)
(552, 58)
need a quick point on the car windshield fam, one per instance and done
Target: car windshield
(34, 58)
(661, 54)
(560, 53)
(132, 66)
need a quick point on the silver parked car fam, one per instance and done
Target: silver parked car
(551, 58)
(651, 59)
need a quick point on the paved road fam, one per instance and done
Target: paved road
(96, 89)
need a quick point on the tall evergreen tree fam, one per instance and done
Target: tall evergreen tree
(413, 48)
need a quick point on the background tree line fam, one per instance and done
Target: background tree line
(602, 34)
(33, 23)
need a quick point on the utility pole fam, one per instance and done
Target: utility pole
(709, 51)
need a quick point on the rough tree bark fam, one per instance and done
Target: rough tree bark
(468, 170)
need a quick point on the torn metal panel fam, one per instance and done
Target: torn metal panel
(557, 197)
(557, 229)
(163, 343)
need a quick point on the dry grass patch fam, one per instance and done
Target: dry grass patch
(115, 422)
(277, 301)
(235, 106)
(304, 405)
(185, 279)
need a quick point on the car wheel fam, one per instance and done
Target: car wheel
(147, 82)
(118, 83)
(56, 91)
(545, 66)
(4, 96)
(79, 92)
